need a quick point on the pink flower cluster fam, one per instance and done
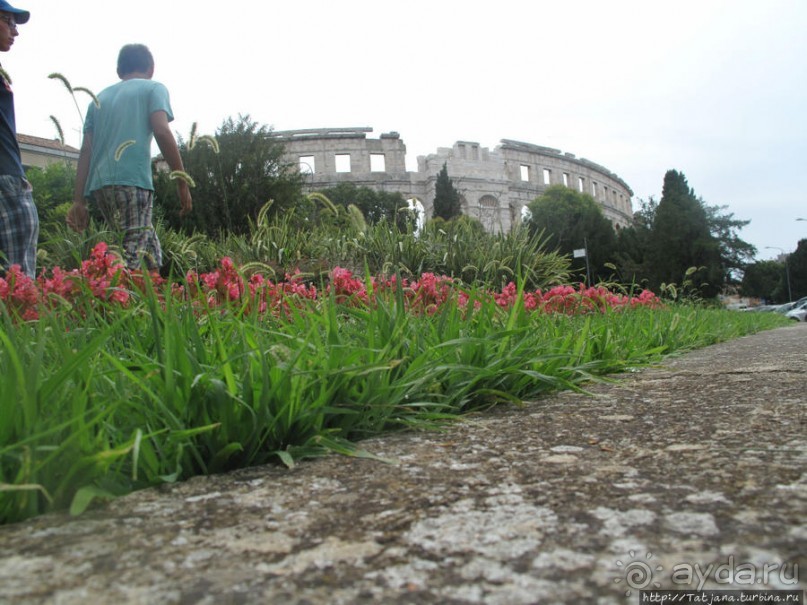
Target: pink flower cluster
(105, 278)
(103, 274)
(431, 291)
(570, 300)
(226, 286)
(422, 295)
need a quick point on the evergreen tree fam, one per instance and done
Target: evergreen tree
(446, 198)
(735, 253)
(682, 240)
(637, 253)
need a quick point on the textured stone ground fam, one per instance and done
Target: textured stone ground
(570, 499)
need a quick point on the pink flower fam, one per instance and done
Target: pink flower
(19, 293)
(346, 287)
(105, 276)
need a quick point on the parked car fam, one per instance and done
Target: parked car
(799, 312)
(785, 308)
(763, 308)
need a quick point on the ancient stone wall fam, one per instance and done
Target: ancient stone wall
(494, 185)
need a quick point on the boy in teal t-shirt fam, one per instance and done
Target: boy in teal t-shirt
(114, 167)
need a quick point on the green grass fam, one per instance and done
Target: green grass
(159, 393)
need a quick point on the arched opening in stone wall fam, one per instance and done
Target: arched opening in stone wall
(416, 206)
(515, 214)
(488, 213)
(465, 208)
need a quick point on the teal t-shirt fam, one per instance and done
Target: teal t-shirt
(122, 135)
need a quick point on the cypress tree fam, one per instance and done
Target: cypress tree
(682, 239)
(446, 198)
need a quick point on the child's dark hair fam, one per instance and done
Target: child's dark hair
(134, 58)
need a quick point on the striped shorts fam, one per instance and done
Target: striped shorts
(19, 224)
(128, 211)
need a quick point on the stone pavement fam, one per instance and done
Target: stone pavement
(689, 475)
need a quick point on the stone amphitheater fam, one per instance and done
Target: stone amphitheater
(494, 186)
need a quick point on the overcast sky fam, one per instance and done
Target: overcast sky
(714, 89)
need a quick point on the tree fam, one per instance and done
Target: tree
(446, 198)
(236, 174)
(639, 249)
(633, 244)
(797, 265)
(376, 206)
(735, 253)
(571, 220)
(682, 239)
(767, 280)
(53, 195)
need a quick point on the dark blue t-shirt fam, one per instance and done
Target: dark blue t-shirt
(10, 162)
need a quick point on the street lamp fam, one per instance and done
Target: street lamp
(787, 271)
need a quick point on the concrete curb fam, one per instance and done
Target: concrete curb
(694, 470)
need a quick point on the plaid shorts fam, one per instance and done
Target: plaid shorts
(128, 211)
(19, 224)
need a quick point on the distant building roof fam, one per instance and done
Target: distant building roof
(54, 144)
(37, 152)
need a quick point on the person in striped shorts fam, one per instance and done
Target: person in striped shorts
(114, 166)
(19, 221)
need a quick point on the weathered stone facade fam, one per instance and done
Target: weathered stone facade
(494, 185)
